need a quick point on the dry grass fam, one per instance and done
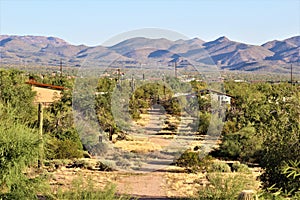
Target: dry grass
(183, 184)
(173, 119)
(173, 183)
(144, 120)
(138, 146)
(62, 178)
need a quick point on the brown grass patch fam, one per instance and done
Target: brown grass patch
(144, 120)
(138, 146)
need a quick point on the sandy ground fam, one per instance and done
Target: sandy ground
(170, 183)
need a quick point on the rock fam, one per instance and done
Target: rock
(247, 195)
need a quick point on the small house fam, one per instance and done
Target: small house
(222, 98)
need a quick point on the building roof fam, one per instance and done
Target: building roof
(46, 93)
(214, 91)
(43, 85)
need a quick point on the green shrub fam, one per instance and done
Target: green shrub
(172, 107)
(243, 145)
(219, 167)
(204, 121)
(62, 149)
(238, 167)
(19, 149)
(275, 193)
(188, 159)
(290, 171)
(68, 149)
(194, 162)
(15, 93)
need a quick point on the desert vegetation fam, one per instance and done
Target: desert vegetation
(262, 128)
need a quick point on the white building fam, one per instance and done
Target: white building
(222, 98)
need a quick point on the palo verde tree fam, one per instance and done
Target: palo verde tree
(63, 140)
(281, 150)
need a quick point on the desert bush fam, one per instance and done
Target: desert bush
(243, 145)
(270, 196)
(291, 172)
(204, 120)
(67, 149)
(105, 166)
(238, 167)
(188, 159)
(219, 167)
(62, 149)
(82, 190)
(172, 107)
(97, 149)
(194, 162)
(226, 187)
(79, 164)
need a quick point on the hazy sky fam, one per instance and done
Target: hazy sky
(92, 22)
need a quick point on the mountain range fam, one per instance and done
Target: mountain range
(272, 56)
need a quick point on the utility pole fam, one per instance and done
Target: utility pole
(175, 69)
(118, 73)
(60, 68)
(141, 66)
(132, 83)
(164, 83)
(110, 133)
(291, 74)
(40, 120)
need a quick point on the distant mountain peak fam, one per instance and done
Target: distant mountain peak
(196, 39)
(294, 40)
(30, 39)
(219, 41)
(222, 39)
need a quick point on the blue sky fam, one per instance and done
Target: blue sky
(92, 22)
